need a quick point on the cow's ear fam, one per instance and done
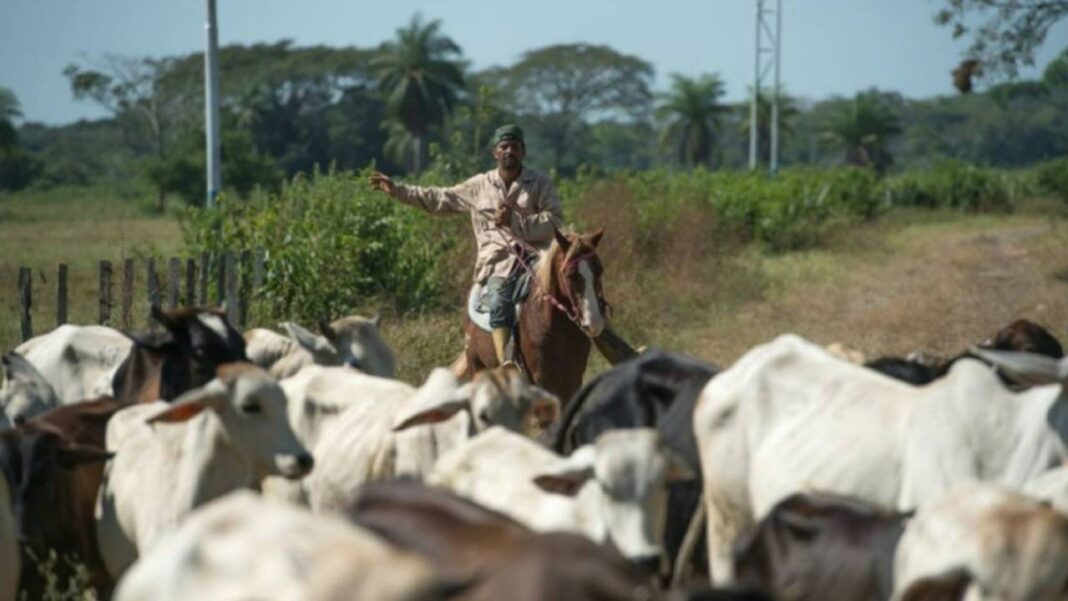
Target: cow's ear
(947, 586)
(209, 396)
(431, 415)
(1028, 368)
(18, 369)
(568, 476)
(161, 317)
(70, 456)
(438, 399)
(305, 338)
(327, 330)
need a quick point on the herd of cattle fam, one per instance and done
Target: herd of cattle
(195, 462)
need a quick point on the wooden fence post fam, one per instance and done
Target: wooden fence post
(205, 270)
(233, 310)
(190, 282)
(221, 266)
(174, 281)
(26, 301)
(105, 292)
(244, 287)
(153, 291)
(259, 270)
(127, 293)
(61, 295)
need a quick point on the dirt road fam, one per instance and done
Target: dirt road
(933, 287)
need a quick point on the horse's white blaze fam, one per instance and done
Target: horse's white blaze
(213, 323)
(591, 317)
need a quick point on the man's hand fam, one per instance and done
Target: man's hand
(381, 181)
(503, 216)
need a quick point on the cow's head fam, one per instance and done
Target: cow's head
(25, 392)
(631, 468)
(352, 341)
(37, 463)
(252, 410)
(496, 397)
(204, 337)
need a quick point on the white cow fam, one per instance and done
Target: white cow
(245, 547)
(173, 457)
(78, 361)
(994, 543)
(788, 417)
(352, 341)
(9, 550)
(378, 438)
(612, 490)
(25, 392)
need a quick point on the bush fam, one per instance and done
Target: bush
(1052, 177)
(333, 247)
(954, 184)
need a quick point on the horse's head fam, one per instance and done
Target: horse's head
(576, 279)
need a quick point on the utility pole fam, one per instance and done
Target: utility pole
(767, 57)
(211, 106)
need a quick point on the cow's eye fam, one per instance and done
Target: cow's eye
(251, 408)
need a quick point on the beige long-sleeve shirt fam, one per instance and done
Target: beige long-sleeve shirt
(536, 211)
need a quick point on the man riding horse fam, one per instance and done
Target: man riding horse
(508, 204)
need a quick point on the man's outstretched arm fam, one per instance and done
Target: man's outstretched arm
(455, 199)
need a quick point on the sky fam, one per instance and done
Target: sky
(829, 47)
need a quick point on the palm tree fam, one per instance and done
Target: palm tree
(787, 111)
(692, 111)
(421, 74)
(9, 111)
(862, 128)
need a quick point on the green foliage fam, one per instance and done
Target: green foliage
(863, 129)
(557, 90)
(793, 210)
(420, 75)
(1008, 33)
(18, 169)
(184, 171)
(952, 184)
(692, 112)
(333, 246)
(1052, 177)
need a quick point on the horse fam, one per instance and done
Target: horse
(564, 310)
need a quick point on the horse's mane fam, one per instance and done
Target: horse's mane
(543, 271)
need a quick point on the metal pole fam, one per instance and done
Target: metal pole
(774, 160)
(753, 131)
(211, 105)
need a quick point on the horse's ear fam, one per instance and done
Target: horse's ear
(561, 239)
(595, 238)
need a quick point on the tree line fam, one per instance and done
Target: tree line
(414, 103)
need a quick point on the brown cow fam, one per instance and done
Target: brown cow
(54, 464)
(812, 547)
(164, 365)
(508, 560)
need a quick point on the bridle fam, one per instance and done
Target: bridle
(523, 252)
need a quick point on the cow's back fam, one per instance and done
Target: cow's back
(78, 361)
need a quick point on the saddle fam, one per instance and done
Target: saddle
(478, 304)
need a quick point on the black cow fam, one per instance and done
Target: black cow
(657, 389)
(812, 547)
(163, 365)
(1021, 335)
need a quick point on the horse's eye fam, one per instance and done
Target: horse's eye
(251, 408)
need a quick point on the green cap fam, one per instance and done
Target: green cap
(509, 131)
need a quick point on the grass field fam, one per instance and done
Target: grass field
(915, 279)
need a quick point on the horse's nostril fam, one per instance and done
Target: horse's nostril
(305, 461)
